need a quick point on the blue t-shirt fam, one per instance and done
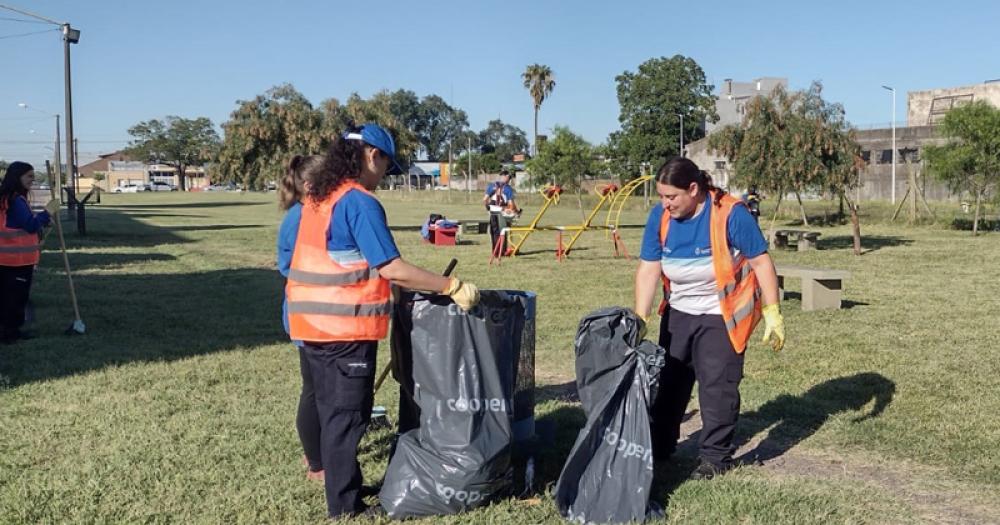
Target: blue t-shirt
(507, 194)
(19, 216)
(686, 257)
(359, 230)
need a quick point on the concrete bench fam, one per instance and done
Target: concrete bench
(821, 288)
(474, 226)
(804, 240)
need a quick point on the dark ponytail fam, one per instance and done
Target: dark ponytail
(344, 159)
(301, 169)
(680, 172)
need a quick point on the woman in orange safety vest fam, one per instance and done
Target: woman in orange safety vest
(19, 248)
(339, 299)
(703, 247)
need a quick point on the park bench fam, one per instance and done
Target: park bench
(821, 288)
(804, 240)
(474, 226)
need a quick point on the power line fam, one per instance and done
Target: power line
(4, 37)
(8, 19)
(32, 15)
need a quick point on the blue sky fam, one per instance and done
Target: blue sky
(139, 60)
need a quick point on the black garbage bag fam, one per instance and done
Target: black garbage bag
(460, 369)
(609, 472)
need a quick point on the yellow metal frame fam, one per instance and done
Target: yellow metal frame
(526, 231)
(614, 216)
(607, 194)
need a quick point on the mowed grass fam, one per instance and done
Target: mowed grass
(178, 405)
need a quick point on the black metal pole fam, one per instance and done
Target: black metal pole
(70, 157)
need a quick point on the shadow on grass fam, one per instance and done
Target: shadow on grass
(89, 260)
(558, 431)
(798, 417)
(845, 304)
(139, 206)
(869, 243)
(216, 227)
(145, 318)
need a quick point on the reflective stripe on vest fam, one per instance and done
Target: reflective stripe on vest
(17, 247)
(331, 300)
(739, 293)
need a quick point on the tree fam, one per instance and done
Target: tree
(263, 134)
(651, 101)
(438, 125)
(539, 81)
(971, 160)
(793, 142)
(565, 159)
(503, 139)
(175, 141)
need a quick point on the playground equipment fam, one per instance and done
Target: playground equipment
(610, 195)
(518, 234)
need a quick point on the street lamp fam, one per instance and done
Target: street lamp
(70, 36)
(893, 90)
(681, 115)
(58, 161)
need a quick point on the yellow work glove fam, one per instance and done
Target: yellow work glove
(774, 325)
(643, 328)
(465, 295)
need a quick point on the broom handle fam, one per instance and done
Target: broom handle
(69, 275)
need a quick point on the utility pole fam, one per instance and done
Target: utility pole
(893, 90)
(680, 153)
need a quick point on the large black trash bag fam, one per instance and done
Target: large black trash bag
(460, 369)
(609, 472)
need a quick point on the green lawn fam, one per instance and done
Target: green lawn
(178, 405)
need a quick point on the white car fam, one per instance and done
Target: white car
(161, 186)
(129, 188)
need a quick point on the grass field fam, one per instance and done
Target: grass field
(178, 405)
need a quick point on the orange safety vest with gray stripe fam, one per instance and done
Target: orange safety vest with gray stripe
(330, 301)
(739, 293)
(17, 247)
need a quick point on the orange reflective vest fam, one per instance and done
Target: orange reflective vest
(17, 247)
(739, 293)
(328, 301)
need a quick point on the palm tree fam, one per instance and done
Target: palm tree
(539, 81)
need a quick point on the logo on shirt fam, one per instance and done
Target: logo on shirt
(703, 251)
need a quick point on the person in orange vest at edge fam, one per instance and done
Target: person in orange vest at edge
(718, 281)
(20, 248)
(499, 200)
(338, 295)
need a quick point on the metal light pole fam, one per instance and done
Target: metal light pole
(893, 90)
(57, 159)
(681, 152)
(70, 36)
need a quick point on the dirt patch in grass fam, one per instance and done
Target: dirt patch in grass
(929, 491)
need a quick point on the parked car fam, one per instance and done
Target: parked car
(161, 186)
(130, 188)
(225, 186)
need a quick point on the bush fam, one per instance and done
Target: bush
(960, 223)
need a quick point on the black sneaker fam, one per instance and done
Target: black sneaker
(707, 470)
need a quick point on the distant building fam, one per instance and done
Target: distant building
(731, 102)
(927, 108)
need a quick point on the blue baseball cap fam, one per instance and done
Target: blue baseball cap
(377, 137)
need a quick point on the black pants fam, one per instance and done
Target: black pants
(698, 348)
(343, 377)
(15, 285)
(307, 419)
(496, 225)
